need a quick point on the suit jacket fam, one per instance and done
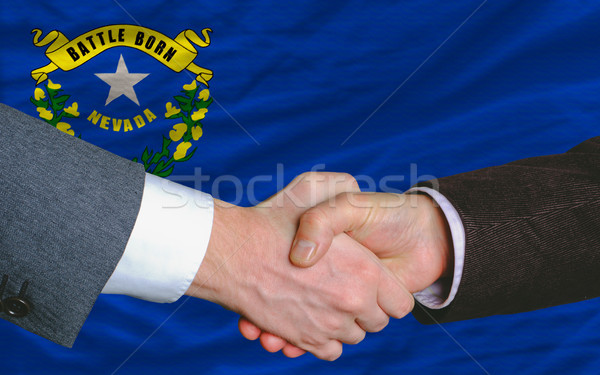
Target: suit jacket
(532, 234)
(67, 210)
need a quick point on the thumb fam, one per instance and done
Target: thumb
(320, 224)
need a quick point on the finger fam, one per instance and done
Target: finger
(320, 224)
(330, 351)
(393, 298)
(292, 351)
(309, 189)
(353, 335)
(252, 332)
(316, 187)
(376, 321)
(272, 343)
(248, 330)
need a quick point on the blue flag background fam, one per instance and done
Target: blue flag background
(401, 89)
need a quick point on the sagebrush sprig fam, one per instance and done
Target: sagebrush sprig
(51, 106)
(193, 106)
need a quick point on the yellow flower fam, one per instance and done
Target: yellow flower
(190, 87)
(45, 114)
(181, 150)
(178, 131)
(171, 110)
(196, 132)
(64, 127)
(72, 110)
(204, 95)
(39, 93)
(199, 114)
(53, 86)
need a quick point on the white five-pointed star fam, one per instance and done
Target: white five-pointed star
(121, 82)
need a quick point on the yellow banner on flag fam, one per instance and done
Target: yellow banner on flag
(177, 54)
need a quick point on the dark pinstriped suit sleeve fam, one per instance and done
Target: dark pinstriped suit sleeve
(67, 209)
(532, 234)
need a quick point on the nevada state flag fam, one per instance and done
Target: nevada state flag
(236, 98)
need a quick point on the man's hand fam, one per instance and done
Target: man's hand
(247, 269)
(408, 233)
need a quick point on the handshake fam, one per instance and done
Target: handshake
(355, 259)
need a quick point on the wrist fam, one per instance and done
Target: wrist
(439, 229)
(229, 232)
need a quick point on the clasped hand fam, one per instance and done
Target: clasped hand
(355, 260)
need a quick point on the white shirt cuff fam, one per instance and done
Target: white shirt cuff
(167, 244)
(436, 296)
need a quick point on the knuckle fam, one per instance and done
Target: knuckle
(343, 178)
(312, 342)
(344, 197)
(349, 181)
(314, 213)
(313, 176)
(357, 338)
(304, 176)
(405, 306)
(372, 273)
(352, 302)
(314, 218)
(369, 275)
(349, 200)
(303, 181)
(332, 354)
(380, 324)
(408, 306)
(333, 324)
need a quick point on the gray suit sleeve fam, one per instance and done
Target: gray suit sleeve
(67, 209)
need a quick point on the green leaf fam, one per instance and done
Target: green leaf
(201, 104)
(155, 158)
(188, 121)
(177, 115)
(184, 103)
(67, 114)
(57, 119)
(145, 155)
(182, 99)
(58, 103)
(165, 145)
(167, 172)
(188, 156)
(186, 107)
(39, 103)
(52, 92)
(163, 153)
(190, 93)
(61, 99)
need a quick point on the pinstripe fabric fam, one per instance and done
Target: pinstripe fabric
(532, 234)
